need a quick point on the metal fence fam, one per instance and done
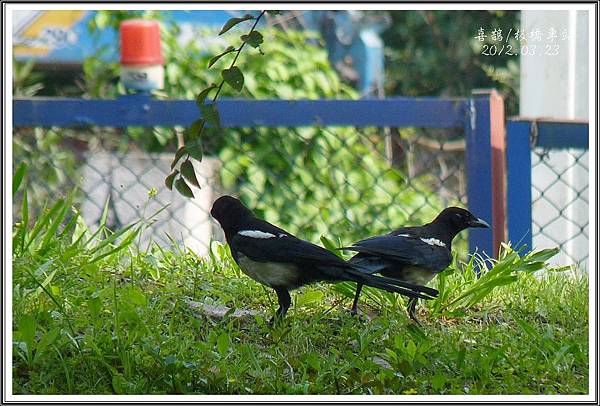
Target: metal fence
(343, 182)
(548, 179)
(560, 202)
(339, 167)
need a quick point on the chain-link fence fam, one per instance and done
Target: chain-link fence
(560, 203)
(343, 182)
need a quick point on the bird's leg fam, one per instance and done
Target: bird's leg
(412, 307)
(354, 309)
(283, 296)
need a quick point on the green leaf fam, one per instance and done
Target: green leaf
(527, 328)
(117, 383)
(411, 348)
(155, 273)
(211, 114)
(399, 342)
(183, 188)
(194, 149)
(273, 12)
(460, 359)
(45, 283)
(122, 244)
(70, 226)
(108, 240)
(81, 230)
(203, 94)
(18, 176)
(169, 180)
(195, 130)
(542, 255)
(327, 243)
(135, 296)
(215, 58)
(50, 234)
(94, 306)
(314, 361)
(345, 288)
(27, 325)
(233, 77)
(485, 287)
(24, 220)
(254, 39)
(308, 298)
(187, 170)
(232, 22)
(223, 344)
(104, 214)
(43, 221)
(112, 237)
(41, 270)
(438, 381)
(45, 341)
(180, 152)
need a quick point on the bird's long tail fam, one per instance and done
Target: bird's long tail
(391, 284)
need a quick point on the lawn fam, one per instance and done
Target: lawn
(95, 313)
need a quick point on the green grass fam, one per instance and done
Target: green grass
(122, 325)
(96, 314)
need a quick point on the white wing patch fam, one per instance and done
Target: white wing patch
(256, 234)
(433, 241)
(403, 235)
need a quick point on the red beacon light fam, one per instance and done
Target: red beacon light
(141, 55)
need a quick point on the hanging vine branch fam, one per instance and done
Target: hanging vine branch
(234, 77)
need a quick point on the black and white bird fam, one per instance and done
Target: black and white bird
(413, 254)
(275, 258)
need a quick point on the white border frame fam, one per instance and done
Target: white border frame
(7, 383)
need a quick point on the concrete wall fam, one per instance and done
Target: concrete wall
(557, 87)
(127, 178)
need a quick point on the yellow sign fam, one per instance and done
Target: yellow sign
(36, 33)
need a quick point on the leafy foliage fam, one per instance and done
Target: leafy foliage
(234, 77)
(505, 270)
(26, 82)
(232, 22)
(50, 164)
(435, 52)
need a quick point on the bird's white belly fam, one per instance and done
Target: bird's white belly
(268, 273)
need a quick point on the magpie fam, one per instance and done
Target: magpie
(413, 254)
(276, 258)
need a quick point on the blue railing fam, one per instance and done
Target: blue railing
(522, 136)
(144, 111)
(477, 115)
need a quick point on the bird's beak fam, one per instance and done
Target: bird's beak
(479, 223)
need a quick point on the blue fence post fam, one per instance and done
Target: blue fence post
(549, 134)
(486, 192)
(518, 184)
